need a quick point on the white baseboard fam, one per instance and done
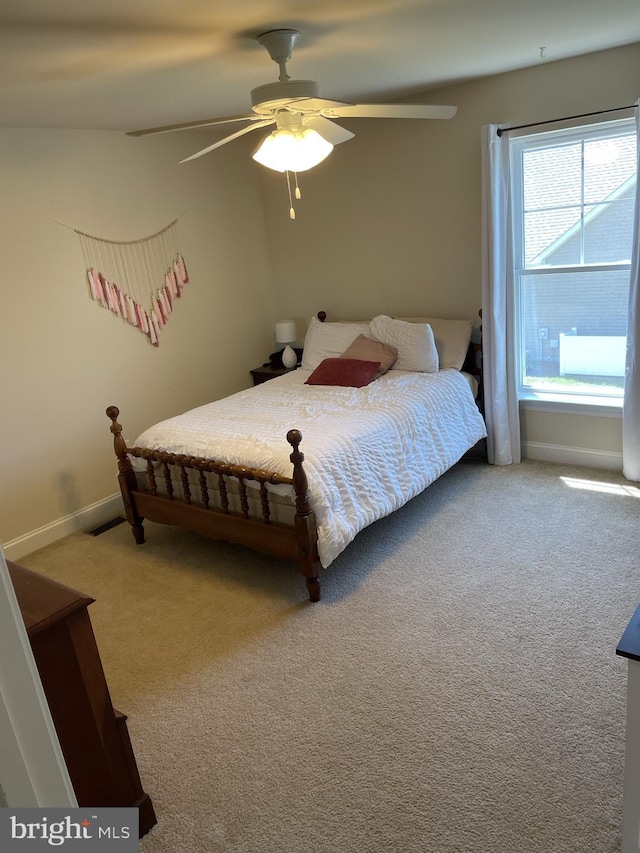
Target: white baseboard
(566, 455)
(85, 519)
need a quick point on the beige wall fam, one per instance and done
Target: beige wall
(63, 358)
(390, 222)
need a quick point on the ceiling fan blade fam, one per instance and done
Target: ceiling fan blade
(308, 105)
(192, 125)
(390, 111)
(328, 130)
(233, 136)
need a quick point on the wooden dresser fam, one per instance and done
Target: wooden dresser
(92, 733)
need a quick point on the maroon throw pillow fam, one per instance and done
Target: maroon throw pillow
(349, 372)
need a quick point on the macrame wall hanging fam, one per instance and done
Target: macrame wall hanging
(139, 280)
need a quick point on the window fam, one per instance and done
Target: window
(573, 201)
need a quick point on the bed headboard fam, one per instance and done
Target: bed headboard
(473, 361)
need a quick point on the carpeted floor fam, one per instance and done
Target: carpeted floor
(455, 691)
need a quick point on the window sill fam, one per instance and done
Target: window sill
(606, 407)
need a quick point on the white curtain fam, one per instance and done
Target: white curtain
(631, 405)
(498, 298)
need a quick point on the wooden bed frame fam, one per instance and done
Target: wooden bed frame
(177, 506)
(171, 500)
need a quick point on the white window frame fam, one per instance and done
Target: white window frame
(557, 401)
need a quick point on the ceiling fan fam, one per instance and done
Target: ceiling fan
(305, 131)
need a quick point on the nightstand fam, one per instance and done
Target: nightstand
(266, 372)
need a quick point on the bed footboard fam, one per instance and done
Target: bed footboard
(220, 500)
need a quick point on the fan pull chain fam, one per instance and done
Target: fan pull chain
(298, 193)
(292, 213)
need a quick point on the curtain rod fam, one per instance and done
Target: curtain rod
(502, 130)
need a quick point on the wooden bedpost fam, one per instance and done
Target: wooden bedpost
(305, 521)
(126, 476)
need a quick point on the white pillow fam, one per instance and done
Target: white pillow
(452, 339)
(414, 341)
(329, 340)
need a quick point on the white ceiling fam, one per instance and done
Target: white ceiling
(128, 64)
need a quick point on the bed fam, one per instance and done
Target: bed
(384, 408)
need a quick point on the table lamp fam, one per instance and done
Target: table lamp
(286, 333)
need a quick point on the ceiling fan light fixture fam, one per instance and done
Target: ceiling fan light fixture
(287, 150)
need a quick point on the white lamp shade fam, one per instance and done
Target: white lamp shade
(286, 331)
(292, 150)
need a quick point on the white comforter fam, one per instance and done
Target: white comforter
(367, 450)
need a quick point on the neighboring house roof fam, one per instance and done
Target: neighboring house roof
(626, 189)
(553, 190)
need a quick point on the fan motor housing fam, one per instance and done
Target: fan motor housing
(265, 99)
